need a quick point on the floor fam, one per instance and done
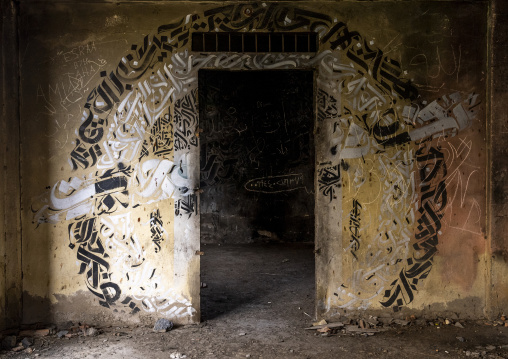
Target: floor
(256, 301)
(267, 283)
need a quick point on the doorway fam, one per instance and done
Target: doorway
(257, 170)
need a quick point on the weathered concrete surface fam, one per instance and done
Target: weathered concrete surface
(110, 203)
(66, 64)
(10, 228)
(498, 72)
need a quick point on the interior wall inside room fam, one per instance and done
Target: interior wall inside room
(257, 156)
(10, 191)
(113, 158)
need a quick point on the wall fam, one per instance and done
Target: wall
(498, 211)
(100, 174)
(110, 154)
(10, 234)
(257, 156)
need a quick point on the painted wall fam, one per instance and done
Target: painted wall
(110, 154)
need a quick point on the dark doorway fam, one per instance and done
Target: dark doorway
(257, 162)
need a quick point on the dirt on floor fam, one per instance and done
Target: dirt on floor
(256, 302)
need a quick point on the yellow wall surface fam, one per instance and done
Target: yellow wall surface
(110, 154)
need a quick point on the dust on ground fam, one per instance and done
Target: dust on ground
(256, 302)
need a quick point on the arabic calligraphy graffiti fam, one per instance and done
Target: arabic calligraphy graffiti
(138, 139)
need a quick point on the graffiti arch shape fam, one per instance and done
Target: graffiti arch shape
(137, 144)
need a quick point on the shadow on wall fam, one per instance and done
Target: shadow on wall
(134, 153)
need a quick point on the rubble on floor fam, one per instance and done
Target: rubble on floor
(15, 340)
(163, 325)
(372, 325)
(37, 340)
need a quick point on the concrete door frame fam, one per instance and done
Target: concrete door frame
(321, 65)
(312, 145)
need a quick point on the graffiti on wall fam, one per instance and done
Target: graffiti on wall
(394, 263)
(157, 229)
(137, 144)
(354, 227)
(432, 170)
(62, 96)
(275, 184)
(329, 180)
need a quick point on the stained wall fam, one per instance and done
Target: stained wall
(110, 154)
(498, 188)
(10, 229)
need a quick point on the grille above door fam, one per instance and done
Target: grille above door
(254, 42)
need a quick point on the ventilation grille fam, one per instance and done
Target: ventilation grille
(254, 42)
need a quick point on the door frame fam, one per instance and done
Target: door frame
(324, 212)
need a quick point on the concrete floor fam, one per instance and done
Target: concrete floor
(257, 302)
(261, 282)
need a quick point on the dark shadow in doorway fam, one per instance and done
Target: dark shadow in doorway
(257, 175)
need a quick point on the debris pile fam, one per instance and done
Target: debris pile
(25, 339)
(349, 326)
(371, 325)
(485, 351)
(37, 337)
(502, 321)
